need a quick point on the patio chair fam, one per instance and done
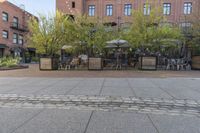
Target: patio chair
(61, 65)
(185, 65)
(74, 63)
(119, 64)
(171, 63)
(179, 64)
(68, 64)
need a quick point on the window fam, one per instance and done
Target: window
(187, 8)
(185, 26)
(15, 38)
(5, 34)
(15, 22)
(5, 16)
(73, 4)
(109, 10)
(127, 9)
(20, 41)
(147, 9)
(166, 8)
(91, 11)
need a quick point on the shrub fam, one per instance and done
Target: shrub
(9, 62)
(35, 59)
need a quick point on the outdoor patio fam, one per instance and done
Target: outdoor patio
(118, 55)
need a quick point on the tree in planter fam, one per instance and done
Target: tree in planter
(49, 34)
(91, 33)
(149, 31)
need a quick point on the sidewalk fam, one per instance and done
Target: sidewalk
(33, 71)
(99, 105)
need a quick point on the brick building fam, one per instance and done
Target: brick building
(118, 12)
(13, 28)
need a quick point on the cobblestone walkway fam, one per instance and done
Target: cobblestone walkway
(103, 103)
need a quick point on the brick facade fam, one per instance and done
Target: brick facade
(20, 29)
(82, 7)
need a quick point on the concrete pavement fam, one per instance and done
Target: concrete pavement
(29, 118)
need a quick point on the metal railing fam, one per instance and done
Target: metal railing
(18, 26)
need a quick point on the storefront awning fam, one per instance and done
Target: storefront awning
(3, 46)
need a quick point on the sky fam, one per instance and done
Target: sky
(37, 6)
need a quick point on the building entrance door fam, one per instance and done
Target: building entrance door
(1, 52)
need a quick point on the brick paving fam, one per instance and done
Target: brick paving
(33, 71)
(103, 103)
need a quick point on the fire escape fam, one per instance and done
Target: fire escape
(20, 27)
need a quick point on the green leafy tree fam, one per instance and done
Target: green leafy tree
(91, 32)
(194, 34)
(49, 34)
(150, 30)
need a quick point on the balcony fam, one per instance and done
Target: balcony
(18, 27)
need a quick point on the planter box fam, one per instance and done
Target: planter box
(148, 63)
(49, 63)
(95, 64)
(14, 67)
(196, 62)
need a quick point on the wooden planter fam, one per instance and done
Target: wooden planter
(95, 64)
(196, 62)
(148, 63)
(49, 63)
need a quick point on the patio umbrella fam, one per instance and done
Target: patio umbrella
(66, 47)
(117, 44)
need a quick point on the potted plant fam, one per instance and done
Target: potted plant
(148, 32)
(48, 37)
(93, 35)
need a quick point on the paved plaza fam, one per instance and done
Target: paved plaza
(33, 71)
(99, 105)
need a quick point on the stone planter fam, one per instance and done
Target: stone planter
(49, 63)
(95, 63)
(148, 63)
(196, 62)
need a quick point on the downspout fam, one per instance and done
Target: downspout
(83, 7)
